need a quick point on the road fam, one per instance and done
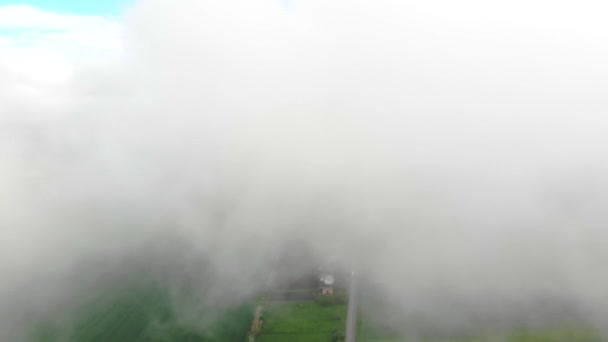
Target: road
(351, 318)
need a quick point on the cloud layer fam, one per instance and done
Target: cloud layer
(454, 150)
(45, 45)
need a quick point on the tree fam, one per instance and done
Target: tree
(338, 336)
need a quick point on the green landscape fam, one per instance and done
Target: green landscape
(146, 312)
(302, 321)
(380, 320)
(560, 334)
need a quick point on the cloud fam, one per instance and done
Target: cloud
(45, 46)
(455, 149)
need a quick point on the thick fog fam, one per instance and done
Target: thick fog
(453, 151)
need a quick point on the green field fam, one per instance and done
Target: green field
(301, 322)
(145, 312)
(381, 319)
(372, 329)
(540, 335)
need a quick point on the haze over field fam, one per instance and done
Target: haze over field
(455, 150)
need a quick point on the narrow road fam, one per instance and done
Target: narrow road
(351, 318)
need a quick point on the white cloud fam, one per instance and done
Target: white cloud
(45, 46)
(31, 17)
(451, 141)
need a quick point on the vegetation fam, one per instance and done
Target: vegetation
(147, 313)
(304, 321)
(373, 330)
(338, 336)
(382, 320)
(339, 298)
(541, 335)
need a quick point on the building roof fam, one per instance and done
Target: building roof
(327, 279)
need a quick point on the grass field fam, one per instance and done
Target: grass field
(370, 330)
(540, 335)
(145, 313)
(382, 320)
(301, 322)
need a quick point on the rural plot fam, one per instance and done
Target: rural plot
(381, 319)
(146, 312)
(304, 321)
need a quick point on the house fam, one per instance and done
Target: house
(326, 284)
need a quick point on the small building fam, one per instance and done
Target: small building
(326, 284)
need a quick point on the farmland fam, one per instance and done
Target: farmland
(294, 311)
(302, 321)
(379, 321)
(580, 334)
(146, 312)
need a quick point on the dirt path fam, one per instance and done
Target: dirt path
(256, 326)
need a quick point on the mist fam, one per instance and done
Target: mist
(453, 151)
